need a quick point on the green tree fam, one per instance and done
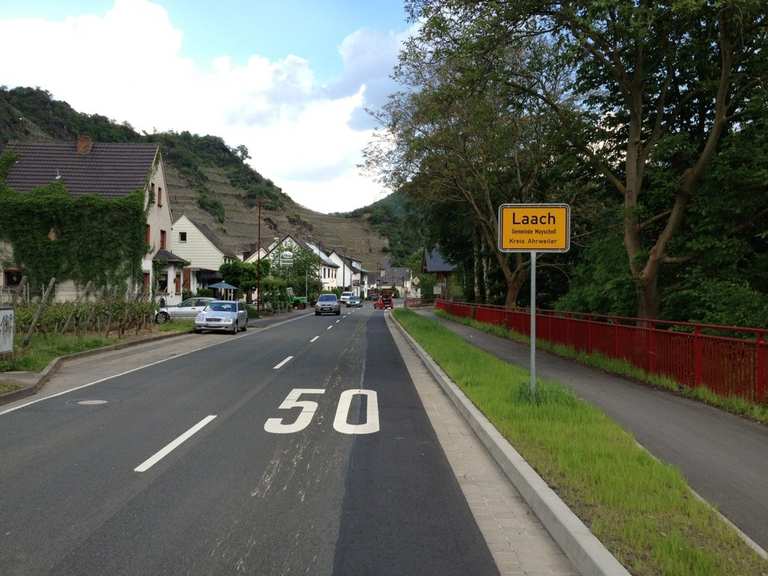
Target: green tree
(653, 83)
(243, 275)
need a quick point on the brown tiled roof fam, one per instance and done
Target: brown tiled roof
(109, 169)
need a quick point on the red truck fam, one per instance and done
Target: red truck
(385, 299)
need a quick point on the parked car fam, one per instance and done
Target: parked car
(345, 296)
(355, 302)
(188, 309)
(327, 304)
(225, 315)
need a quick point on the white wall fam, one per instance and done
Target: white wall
(158, 217)
(197, 250)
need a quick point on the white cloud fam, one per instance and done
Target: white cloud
(128, 64)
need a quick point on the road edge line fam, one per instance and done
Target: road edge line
(588, 555)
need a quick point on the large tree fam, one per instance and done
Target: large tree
(467, 140)
(653, 84)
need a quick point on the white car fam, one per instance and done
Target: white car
(224, 315)
(189, 309)
(345, 296)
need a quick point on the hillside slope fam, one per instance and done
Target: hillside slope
(207, 180)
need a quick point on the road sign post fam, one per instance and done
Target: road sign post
(534, 228)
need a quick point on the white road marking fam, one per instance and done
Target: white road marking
(314, 339)
(308, 409)
(371, 424)
(339, 320)
(283, 363)
(329, 327)
(152, 460)
(100, 380)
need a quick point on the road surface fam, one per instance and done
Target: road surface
(191, 466)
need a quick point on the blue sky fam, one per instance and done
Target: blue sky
(283, 77)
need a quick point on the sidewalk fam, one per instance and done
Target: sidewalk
(722, 456)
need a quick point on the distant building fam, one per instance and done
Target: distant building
(109, 170)
(434, 262)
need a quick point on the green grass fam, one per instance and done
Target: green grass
(6, 387)
(640, 508)
(45, 347)
(177, 326)
(733, 404)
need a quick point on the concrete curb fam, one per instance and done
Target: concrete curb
(53, 366)
(584, 550)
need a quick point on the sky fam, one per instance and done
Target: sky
(289, 79)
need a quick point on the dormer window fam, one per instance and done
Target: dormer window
(152, 193)
(159, 196)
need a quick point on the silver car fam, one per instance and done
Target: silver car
(190, 308)
(226, 315)
(327, 304)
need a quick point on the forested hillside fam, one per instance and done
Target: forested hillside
(651, 121)
(207, 179)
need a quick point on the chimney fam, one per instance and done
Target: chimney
(84, 144)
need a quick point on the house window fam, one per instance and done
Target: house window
(162, 239)
(152, 193)
(147, 235)
(182, 236)
(159, 196)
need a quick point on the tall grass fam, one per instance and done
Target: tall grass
(640, 508)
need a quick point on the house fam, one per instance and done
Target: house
(282, 251)
(203, 250)
(328, 268)
(351, 277)
(399, 277)
(434, 262)
(110, 170)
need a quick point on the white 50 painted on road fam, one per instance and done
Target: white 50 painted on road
(340, 422)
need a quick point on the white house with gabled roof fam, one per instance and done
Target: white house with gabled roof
(202, 248)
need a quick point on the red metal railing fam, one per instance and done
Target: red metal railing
(729, 360)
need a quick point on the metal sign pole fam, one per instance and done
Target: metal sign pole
(533, 324)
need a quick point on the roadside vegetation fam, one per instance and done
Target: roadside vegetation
(43, 348)
(733, 404)
(641, 509)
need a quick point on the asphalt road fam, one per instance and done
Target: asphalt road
(190, 466)
(724, 457)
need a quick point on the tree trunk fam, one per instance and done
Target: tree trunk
(648, 296)
(476, 268)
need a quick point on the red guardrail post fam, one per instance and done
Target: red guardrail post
(760, 369)
(697, 353)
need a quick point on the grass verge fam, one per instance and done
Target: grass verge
(45, 347)
(732, 404)
(177, 326)
(6, 387)
(640, 508)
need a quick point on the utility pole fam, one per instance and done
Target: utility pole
(258, 262)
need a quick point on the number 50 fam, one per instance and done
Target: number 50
(340, 424)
